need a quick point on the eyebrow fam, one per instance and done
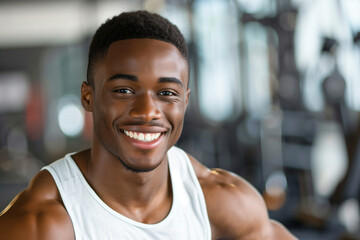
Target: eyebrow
(124, 76)
(134, 78)
(170, 80)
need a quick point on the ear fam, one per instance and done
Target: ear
(187, 96)
(87, 96)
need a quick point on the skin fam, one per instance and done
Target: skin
(135, 89)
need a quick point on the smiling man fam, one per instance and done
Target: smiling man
(134, 183)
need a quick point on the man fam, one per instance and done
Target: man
(133, 183)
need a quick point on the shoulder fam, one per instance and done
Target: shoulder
(36, 213)
(234, 207)
(236, 210)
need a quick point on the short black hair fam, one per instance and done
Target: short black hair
(131, 25)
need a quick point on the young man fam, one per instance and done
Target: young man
(133, 183)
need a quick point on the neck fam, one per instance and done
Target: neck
(135, 195)
(112, 179)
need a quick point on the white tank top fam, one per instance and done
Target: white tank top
(93, 219)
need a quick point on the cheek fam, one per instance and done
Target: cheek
(106, 112)
(175, 114)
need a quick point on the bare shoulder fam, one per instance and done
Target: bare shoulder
(236, 210)
(36, 213)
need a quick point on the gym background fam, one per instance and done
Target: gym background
(275, 97)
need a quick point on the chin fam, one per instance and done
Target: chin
(142, 160)
(141, 168)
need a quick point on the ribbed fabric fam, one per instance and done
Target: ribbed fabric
(93, 219)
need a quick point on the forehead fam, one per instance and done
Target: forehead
(144, 57)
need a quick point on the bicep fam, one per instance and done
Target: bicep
(249, 225)
(237, 211)
(28, 219)
(39, 226)
(16, 227)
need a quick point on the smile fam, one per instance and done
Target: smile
(144, 137)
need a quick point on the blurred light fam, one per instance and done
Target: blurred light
(154, 5)
(217, 38)
(275, 190)
(348, 63)
(298, 3)
(13, 91)
(252, 6)
(315, 20)
(313, 96)
(107, 9)
(351, 12)
(276, 182)
(40, 23)
(348, 214)
(258, 8)
(328, 158)
(71, 120)
(55, 22)
(258, 98)
(180, 16)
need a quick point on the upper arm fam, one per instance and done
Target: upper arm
(48, 223)
(36, 213)
(236, 210)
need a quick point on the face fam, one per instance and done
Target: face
(138, 101)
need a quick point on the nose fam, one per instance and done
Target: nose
(145, 108)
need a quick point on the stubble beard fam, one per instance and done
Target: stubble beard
(137, 170)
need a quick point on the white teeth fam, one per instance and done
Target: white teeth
(153, 136)
(145, 137)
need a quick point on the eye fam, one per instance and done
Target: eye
(123, 91)
(167, 93)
